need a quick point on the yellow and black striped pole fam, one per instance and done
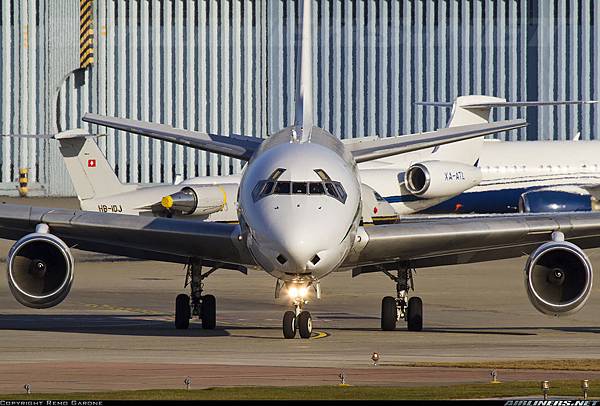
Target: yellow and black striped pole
(23, 180)
(86, 33)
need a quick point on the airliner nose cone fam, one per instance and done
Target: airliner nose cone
(298, 254)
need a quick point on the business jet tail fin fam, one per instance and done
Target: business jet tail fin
(90, 172)
(475, 109)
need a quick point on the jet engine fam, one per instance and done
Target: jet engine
(552, 201)
(558, 278)
(433, 179)
(197, 200)
(40, 270)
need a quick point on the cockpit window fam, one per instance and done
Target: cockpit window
(282, 188)
(299, 188)
(378, 197)
(341, 192)
(277, 173)
(316, 188)
(326, 187)
(322, 174)
(331, 189)
(268, 188)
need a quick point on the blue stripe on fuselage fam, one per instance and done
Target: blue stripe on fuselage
(489, 201)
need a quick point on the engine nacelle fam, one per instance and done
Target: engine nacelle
(558, 278)
(199, 200)
(552, 201)
(40, 270)
(433, 179)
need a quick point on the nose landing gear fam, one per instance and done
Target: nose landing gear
(400, 307)
(297, 320)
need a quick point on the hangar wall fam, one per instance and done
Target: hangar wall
(228, 66)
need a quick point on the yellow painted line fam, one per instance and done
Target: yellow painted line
(224, 196)
(320, 334)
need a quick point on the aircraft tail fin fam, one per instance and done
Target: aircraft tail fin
(90, 172)
(304, 75)
(475, 109)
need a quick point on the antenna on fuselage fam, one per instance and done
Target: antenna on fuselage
(303, 120)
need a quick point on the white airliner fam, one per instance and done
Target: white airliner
(299, 210)
(471, 176)
(210, 198)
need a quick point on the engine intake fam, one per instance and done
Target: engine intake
(40, 270)
(558, 278)
(431, 179)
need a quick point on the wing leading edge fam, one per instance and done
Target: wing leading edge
(235, 146)
(375, 148)
(141, 237)
(434, 241)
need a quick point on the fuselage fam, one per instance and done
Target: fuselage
(299, 205)
(508, 169)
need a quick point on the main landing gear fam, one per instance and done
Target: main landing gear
(394, 309)
(196, 304)
(297, 320)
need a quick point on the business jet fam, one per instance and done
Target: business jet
(489, 176)
(298, 210)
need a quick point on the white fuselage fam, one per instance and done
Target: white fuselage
(508, 169)
(299, 203)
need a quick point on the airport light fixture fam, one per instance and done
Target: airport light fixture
(585, 387)
(545, 389)
(342, 377)
(375, 358)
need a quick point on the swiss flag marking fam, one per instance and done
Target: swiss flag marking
(91, 163)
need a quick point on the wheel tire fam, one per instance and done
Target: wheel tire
(183, 311)
(389, 313)
(289, 324)
(305, 324)
(414, 315)
(208, 312)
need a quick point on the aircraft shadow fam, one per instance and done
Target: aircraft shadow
(126, 325)
(519, 331)
(158, 326)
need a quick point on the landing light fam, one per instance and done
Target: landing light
(295, 291)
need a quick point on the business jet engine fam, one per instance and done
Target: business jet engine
(553, 201)
(558, 278)
(431, 179)
(198, 200)
(40, 270)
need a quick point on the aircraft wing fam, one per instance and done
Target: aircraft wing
(370, 148)
(235, 146)
(425, 241)
(141, 237)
